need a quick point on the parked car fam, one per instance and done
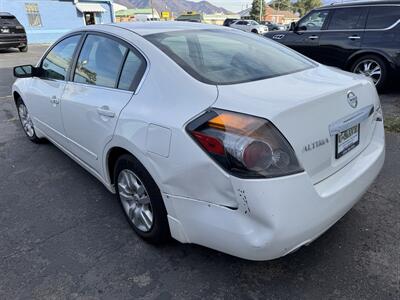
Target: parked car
(251, 149)
(357, 37)
(249, 26)
(229, 21)
(273, 26)
(12, 33)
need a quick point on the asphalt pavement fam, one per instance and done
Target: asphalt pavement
(64, 236)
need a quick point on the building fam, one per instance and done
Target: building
(245, 14)
(47, 20)
(279, 16)
(272, 15)
(218, 18)
(137, 14)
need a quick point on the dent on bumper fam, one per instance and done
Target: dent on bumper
(276, 216)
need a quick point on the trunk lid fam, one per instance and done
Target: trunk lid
(306, 107)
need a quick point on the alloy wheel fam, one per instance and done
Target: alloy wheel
(369, 68)
(26, 120)
(135, 200)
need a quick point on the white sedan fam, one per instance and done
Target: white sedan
(207, 134)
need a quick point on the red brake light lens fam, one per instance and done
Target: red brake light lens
(245, 146)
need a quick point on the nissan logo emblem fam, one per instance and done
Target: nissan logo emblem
(352, 99)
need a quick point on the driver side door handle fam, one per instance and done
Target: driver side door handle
(313, 37)
(105, 111)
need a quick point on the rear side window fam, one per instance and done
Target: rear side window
(348, 18)
(8, 20)
(228, 57)
(100, 61)
(383, 17)
(56, 63)
(132, 72)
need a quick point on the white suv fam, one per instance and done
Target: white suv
(249, 26)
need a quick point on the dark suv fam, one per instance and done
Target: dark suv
(361, 37)
(12, 33)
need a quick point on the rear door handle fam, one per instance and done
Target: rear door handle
(105, 111)
(313, 37)
(354, 37)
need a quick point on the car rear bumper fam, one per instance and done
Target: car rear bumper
(10, 41)
(276, 216)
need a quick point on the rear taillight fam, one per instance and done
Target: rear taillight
(245, 146)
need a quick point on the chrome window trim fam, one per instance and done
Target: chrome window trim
(358, 30)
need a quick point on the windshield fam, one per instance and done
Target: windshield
(228, 57)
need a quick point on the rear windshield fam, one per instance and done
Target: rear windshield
(228, 57)
(8, 20)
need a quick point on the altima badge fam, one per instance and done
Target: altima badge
(352, 99)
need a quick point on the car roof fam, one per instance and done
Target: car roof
(151, 27)
(5, 14)
(361, 3)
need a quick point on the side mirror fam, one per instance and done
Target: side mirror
(292, 26)
(25, 71)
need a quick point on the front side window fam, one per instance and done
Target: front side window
(383, 17)
(32, 10)
(348, 18)
(56, 63)
(99, 62)
(222, 57)
(314, 21)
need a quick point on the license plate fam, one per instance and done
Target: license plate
(5, 30)
(347, 140)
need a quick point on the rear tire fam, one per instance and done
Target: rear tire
(26, 121)
(23, 49)
(372, 66)
(141, 200)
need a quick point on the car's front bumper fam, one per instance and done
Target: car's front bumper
(276, 216)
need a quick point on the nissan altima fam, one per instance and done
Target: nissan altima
(207, 134)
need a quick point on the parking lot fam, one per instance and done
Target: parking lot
(64, 236)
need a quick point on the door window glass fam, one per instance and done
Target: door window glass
(348, 18)
(132, 71)
(383, 17)
(58, 60)
(99, 62)
(313, 21)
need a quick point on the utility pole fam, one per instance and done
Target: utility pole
(152, 10)
(261, 9)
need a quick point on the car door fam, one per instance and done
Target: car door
(343, 36)
(106, 74)
(308, 32)
(242, 25)
(45, 92)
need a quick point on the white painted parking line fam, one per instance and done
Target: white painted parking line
(5, 97)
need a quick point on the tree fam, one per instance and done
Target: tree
(255, 9)
(281, 4)
(304, 6)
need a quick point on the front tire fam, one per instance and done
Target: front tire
(254, 31)
(26, 121)
(141, 200)
(373, 67)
